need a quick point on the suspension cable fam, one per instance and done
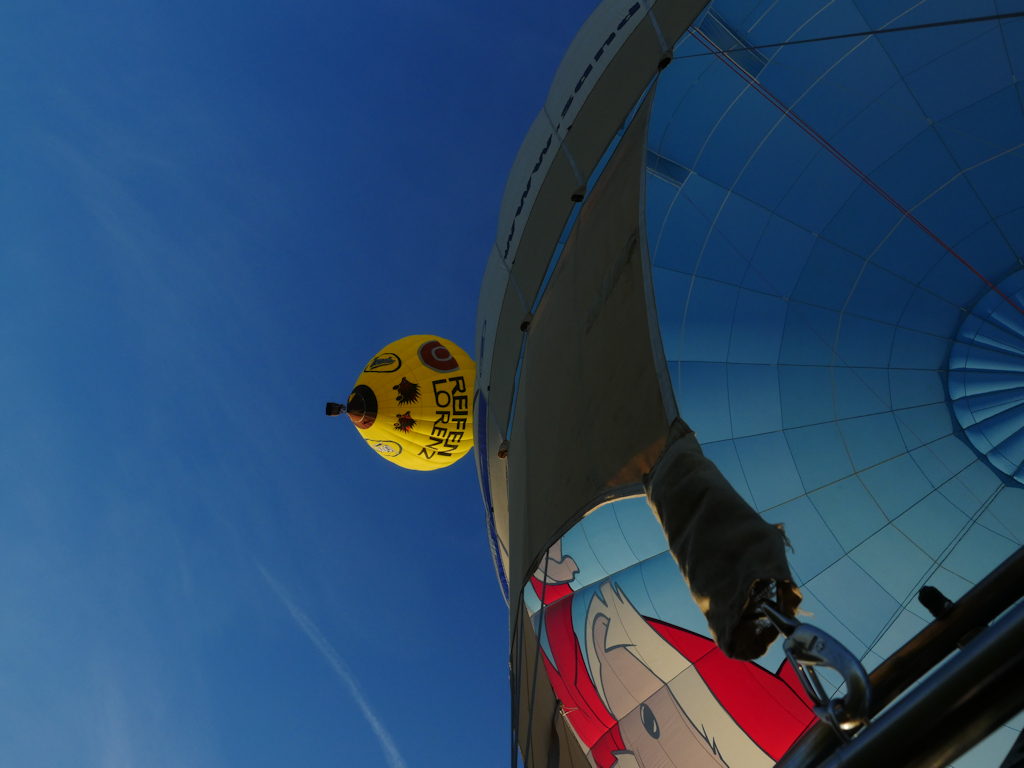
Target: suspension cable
(865, 33)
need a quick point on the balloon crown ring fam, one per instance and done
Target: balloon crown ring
(986, 377)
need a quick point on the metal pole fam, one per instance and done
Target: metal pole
(961, 703)
(989, 598)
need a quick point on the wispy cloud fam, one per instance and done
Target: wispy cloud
(306, 624)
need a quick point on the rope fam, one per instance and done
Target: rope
(842, 159)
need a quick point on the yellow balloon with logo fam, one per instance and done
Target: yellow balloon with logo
(413, 403)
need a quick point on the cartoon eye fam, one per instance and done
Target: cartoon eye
(650, 721)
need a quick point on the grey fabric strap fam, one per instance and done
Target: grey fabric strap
(721, 544)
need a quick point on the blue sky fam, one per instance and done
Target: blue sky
(211, 216)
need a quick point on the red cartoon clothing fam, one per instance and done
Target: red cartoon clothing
(771, 709)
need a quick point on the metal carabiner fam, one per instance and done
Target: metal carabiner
(806, 647)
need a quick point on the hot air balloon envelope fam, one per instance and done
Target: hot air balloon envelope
(412, 403)
(805, 238)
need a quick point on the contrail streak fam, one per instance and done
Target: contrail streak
(306, 624)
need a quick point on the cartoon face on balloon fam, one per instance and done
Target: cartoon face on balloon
(666, 714)
(656, 731)
(640, 693)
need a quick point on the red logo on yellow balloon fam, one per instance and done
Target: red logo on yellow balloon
(435, 356)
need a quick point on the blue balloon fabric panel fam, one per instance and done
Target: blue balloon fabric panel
(829, 352)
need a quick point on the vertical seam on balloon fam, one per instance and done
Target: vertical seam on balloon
(515, 388)
(647, 589)
(1006, 49)
(561, 146)
(593, 551)
(622, 533)
(657, 243)
(873, 466)
(937, 562)
(700, 256)
(982, 203)
(761, 18)
(696, 159)
(821, 237)
(639, 563)
(934, 128)
(825, 144)
(536, 663)
(784, 430)
(897, 600)
(963, 172)
(815, 507)
(512, 279)
(842, 158)
(820, 78)
(685, 93)
(620, 593)
(1009, 534)
(700, 37)
(966, 528)
(1016, 88)
(936, 490)
(728, 347)
(946, 52)
(670, 404)
(689, 295)
(853, 370)
(519, 293)
(657, 29)
(834, 616)
(517, 686)
(775, 214)
(489, 506)
(896, 326)
(605, 575)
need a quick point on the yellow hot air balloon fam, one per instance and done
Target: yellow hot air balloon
(413, 403)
